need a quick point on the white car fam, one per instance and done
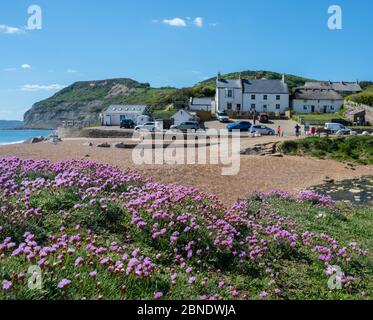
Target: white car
(333, 128)
(222, 116)
(148, 126)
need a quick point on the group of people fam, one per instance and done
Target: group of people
(280, 133)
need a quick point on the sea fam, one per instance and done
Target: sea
(19, 136)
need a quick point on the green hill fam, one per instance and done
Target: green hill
(291, 80)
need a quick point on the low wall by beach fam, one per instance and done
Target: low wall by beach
(92, 133)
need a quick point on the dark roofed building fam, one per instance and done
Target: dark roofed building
(316, 100)
(340, 87)
(244, 96)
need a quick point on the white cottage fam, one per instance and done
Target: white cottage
(261, 95)
(183, 116)
(113, 115)
(312, 100)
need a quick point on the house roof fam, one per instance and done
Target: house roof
(189, 114)
(346, 86)
(337, 86)
(228, 83)
(124, 108)
(307, 93)
(255, 85)
(201, 101)
(265, 86)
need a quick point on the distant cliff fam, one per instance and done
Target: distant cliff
(10, 124)
(85, 101)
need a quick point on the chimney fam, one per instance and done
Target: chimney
(219, 76)
(283, 78)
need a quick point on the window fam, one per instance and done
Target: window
(331, 107)
(305, 108)
(265, 97)
(278, 97)
(229, 93)
(238, 107)
(253, 97)
(278, 106)
(253, 106)
(229, 106)
(265, 107)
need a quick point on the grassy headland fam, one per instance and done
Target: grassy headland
(357, 149)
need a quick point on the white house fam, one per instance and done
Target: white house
(114, 114)
(200, 104)
(261, 95)
(311, 100)
(183, 116)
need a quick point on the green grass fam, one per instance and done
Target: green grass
(163, 114)
(350, 223)
(319, 118)
(357, 149)
(365, 97)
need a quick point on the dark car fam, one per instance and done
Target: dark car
(240, 125)
(263, 118)
(185, 126)
(344, 122)
(127, 124)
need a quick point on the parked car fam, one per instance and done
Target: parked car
(222, 116)
(185, 126)
(149, 126)
(343, 122)
(263, 130)
(333, 128)
(127, 124)
(240, 125)
(263, 118)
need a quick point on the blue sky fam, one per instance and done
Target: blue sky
(91, 40)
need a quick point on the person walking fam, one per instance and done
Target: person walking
(297, 130)
(279, 131)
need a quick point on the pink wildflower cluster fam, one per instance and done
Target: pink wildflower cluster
(185, 227)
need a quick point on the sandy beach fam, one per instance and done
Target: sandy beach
(256, 172)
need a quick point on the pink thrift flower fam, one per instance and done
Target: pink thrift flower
(78, 261)
(7, 285)
(264, 294)
(93, 274)
(63, 283)
(192, 280)
(158, 295)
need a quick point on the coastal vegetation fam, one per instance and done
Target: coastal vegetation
(357, 149)
(365, 97)
(90, 231)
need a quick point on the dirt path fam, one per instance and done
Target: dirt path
(256, 173)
